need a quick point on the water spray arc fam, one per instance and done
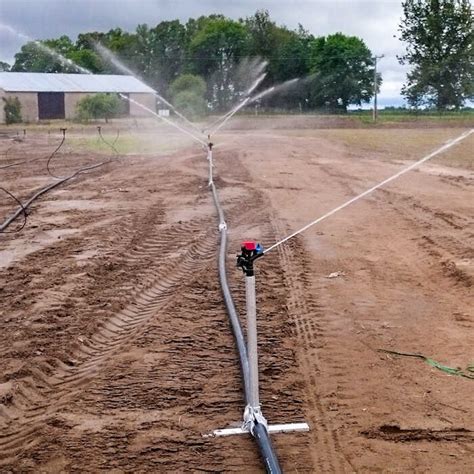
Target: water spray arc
(251, 99)
(119, 65)
(253, 422)
(235, 109)
(373, 188)
(108, 55)
(63, 60)
(164, 119)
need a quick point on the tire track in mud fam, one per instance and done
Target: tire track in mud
(325, 450)
(441, 244)
(306, 314)
(446, 238)
(49, 387)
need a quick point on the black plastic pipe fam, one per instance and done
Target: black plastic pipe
(259, 431)
(21, 209)
(228, 300)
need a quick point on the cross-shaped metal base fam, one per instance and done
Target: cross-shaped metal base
(272, 429)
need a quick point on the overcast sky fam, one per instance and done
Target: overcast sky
(375, 21)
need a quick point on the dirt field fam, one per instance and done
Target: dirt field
(115, 350)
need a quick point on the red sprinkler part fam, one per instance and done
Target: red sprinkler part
(249, 245)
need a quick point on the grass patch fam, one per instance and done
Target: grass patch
(129, 143)
(386, 117)
(405, 144)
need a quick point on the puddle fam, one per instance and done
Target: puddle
(19, 248)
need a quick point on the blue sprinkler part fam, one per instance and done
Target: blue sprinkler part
(259, 249)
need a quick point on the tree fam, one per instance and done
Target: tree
(35, 58)
(187, 93)
(286, 51)
(187, 83)
(440, 51)
(55, 55)
(343, 71)
(99, 106)
(216, 50)
(4, 67)
(190, 104)
(264, 34)
(169, 47)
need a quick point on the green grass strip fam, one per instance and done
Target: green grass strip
(468, 372)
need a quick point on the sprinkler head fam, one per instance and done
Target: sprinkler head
(63, 130)
(250, 252)
(248, 245)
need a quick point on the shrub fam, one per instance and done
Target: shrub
(187, 83)
(190, 104)
(12, 110)
(99, 106)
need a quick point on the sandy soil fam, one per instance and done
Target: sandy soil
(116, 354)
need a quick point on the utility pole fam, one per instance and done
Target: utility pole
(374, 112)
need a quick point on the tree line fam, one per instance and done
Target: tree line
(222, 52)
(338, 69)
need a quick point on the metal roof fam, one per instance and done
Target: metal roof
(50, 82)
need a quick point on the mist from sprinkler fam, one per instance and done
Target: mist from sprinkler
(67, 61)
(170, 122)
(237, 107)
(112, 58)
(250, 100)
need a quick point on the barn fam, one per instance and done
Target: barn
(46, 96)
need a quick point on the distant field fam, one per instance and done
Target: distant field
(390, 116)
(401, 144)
(396, 136)
(130, 143)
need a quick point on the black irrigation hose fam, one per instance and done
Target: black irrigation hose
(259, 432)
(54, 153)
(11, 164)
(110, 145)
(229, 302)
(44, 190)
(17, 163)
(23, 209)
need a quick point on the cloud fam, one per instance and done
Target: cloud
(375, 21)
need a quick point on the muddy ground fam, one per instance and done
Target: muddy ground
(116, 352)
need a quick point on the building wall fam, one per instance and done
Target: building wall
(29, 105)
(2, 111)
(148, 100)
(70, 101)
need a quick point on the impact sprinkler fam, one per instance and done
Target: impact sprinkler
(250, 252)
(209, 158)
(254, 421)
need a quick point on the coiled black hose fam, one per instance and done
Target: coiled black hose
(61, 180)
(40, 192)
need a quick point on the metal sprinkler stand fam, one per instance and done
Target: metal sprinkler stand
(253, 414)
